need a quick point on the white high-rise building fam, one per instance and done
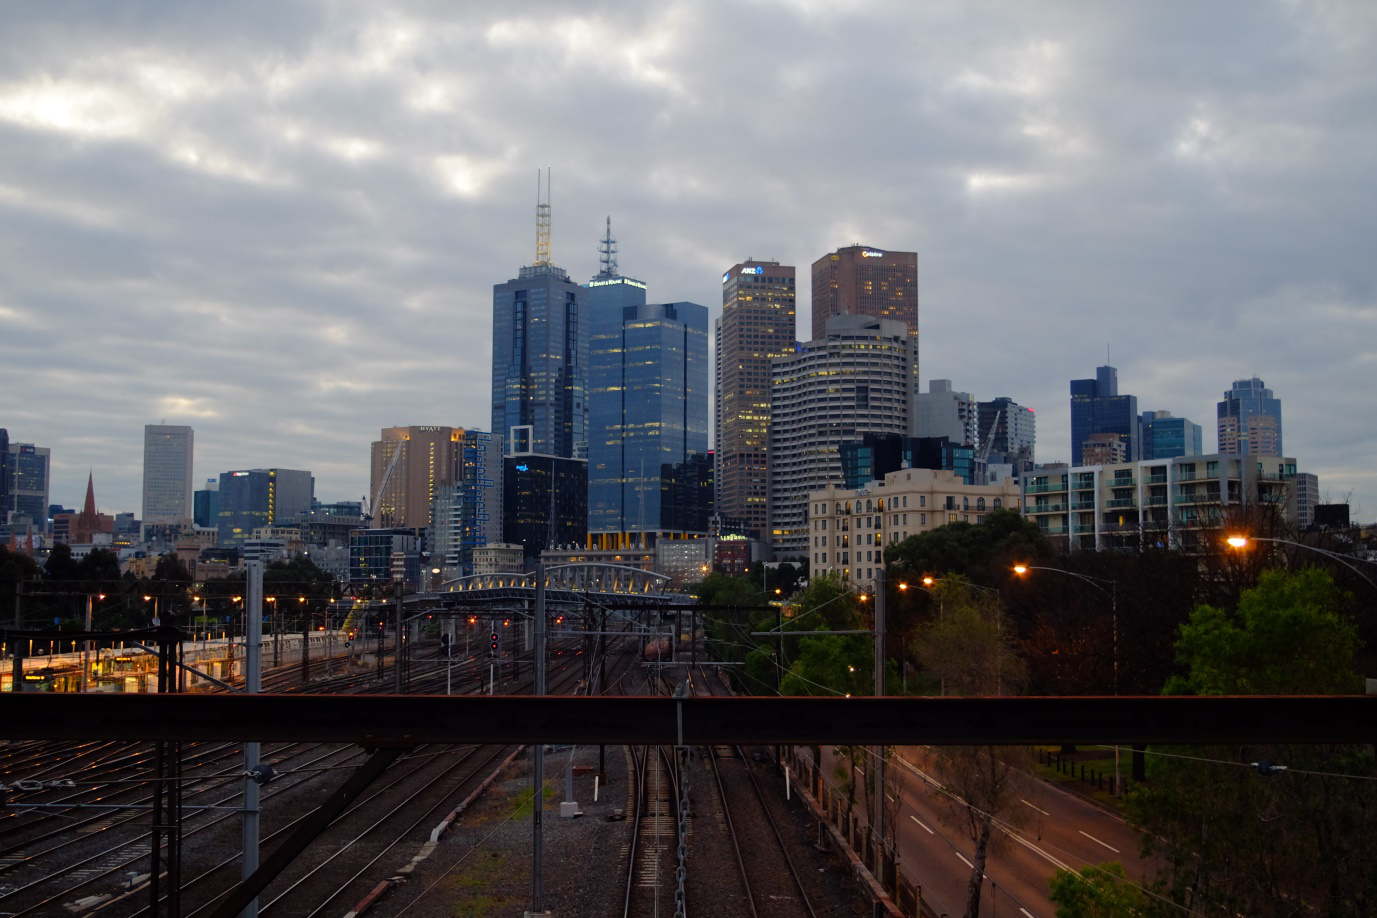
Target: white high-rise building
(857, 379)
(167, 474)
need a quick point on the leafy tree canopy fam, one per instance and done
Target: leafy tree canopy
(1101, 891)
(981, 551)
(1287, 636)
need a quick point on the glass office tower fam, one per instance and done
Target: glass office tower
(648, 416)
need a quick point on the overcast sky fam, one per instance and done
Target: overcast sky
(280, 223)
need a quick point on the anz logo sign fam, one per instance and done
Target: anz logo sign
(758, 269)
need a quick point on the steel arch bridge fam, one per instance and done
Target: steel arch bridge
(565, 584)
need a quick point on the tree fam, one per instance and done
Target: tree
(1101, 891)
(982, 552)
(740, 610)
(968, 648)
(1237, 835)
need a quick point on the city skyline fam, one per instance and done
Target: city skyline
(288, 239)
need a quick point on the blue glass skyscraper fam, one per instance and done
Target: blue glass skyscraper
(648, 406)
(649, 411)
(1250, 419)
(539, 355)
(1097, 407)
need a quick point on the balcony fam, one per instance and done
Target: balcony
(1083, 505)
(1046, 488)
(1120, 503)
(1048, 508)
(1053, 530)
(1081, 528)
(1156, 501)
(1157, 479)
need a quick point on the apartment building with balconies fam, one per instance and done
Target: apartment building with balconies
(1170, 503)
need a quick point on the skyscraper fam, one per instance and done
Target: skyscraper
(856, 379)
(539, 355)
(1008, 430)
(254, 498)
(863, 280)
(1166, 437)
(466, 513)
(167, 479)
(408, 465)
(30, 482)
(5, 482)
(648, 410)
(206, 505)
(1098, 408)
(1250, 419)
(944, 412)
(757, 324)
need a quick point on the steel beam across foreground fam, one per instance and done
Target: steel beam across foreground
(378, 721)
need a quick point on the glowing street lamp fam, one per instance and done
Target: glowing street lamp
(1113, 594)
(1239, 542)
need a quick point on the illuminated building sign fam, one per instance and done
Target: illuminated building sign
(617, 280)
(239, 474)
(758, 269)
(871, 253)
(522, 468)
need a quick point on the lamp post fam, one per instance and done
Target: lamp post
(277, 636)
(86, 655)
(929, 584)
(1240, 542)
(1113, 594)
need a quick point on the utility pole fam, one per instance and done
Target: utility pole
(879, 691)
(397, 617)
(538, 752)
(253, 684)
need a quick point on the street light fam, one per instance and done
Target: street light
(1240, 542)
(929, 586)
(86, 656)
(1113, 594)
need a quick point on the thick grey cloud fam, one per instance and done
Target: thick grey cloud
(281, 224)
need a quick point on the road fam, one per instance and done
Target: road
(1044, 829)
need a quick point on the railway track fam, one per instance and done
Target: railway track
(80, 860)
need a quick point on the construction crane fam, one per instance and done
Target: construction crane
(989, 441)
(387, 475)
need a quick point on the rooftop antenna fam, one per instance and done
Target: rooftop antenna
(543, 220)
(608, 247)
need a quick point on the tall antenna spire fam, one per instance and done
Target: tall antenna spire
(543, 220)
(608, 248)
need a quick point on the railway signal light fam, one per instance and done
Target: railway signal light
(494, 643)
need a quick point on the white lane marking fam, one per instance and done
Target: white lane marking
(963, 859)
(1036, 807)
(1043, 854)
(1026, 912)
(1097, 841)
(923, 824)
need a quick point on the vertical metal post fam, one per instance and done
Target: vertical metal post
(602, 685)
(86, 651)
(397, 619)
(253, 684)
(538, 769)
(879, 691)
